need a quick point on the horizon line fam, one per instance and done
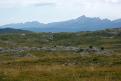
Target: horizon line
(59, 21)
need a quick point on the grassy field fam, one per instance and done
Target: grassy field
(60, 65)
(43, 66)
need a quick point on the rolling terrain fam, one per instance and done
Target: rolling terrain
(12, 30)
(79, 56)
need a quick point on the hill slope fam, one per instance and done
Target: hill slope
(11, 30)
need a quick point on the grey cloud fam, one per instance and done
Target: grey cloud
(44, 4)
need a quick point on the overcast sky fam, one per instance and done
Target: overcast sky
(45, 11)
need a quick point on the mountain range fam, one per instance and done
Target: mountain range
(81, 23)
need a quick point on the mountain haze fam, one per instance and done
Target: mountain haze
(12, 30)
(82, 23)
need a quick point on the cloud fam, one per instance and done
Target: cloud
(62, 3)
(44, 4)
(25, 3)
(113, 1)
(63, 9)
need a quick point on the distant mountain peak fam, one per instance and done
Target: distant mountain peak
(82, 23)
(83, 16)
(35, 22)
(106, 19)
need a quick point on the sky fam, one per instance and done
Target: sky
(47, 11)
